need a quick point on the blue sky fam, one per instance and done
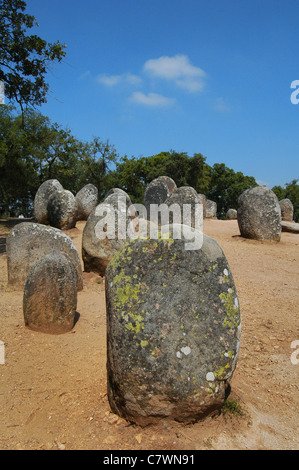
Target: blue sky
(189, 75)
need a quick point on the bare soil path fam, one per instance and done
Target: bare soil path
(53, 388)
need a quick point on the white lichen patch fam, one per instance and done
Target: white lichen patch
(210, 377)
(186, 350)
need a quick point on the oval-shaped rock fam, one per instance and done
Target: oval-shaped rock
(211, 209)
(105, 233)
(62, 210)
(87, 200)
(287, 210)
(119, 192)
(186, 199)
(231, 214)
(43, 194)
(50, 295)
(169, 181)
(173, 330)
(28, 242)
(156, 193)
(259, 215)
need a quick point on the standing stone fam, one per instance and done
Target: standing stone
(121, 193)
(156, 193)
(105, 233)
(170, 183)
(188, 197)
(203, 200)
(211, 209)
(28, 242)
(287, 210)
(231, 214)
(173, 329)
(259, 214)
(42, 197)
(62, 210)
(50, 295)
(87, 200)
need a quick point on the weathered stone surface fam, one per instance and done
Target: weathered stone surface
(28, 242)
(42, 197)
(173, 330)
(50, 295)
(170, 183)
(291, 227)
(203, 200)
(185, 196)
(105, 233)
(211, 209)
(119, 192)
(287, 210)
(231, 214)
(156, 193)
(62, 210)
(87, 200)
(259, 214)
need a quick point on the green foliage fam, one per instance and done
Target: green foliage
(219, 183)
(290, 191)
(226, 186)
(37, 150)
(24, 59)
(232, 407)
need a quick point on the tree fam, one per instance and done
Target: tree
(24, 59)
(226, 186)
(40, 150)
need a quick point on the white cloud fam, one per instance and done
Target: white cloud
(221, 106)
(179, 69)
(151, 99)
(84, 75)
(113, 80)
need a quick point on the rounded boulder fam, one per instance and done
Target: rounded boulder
(287, 210)
(43, 194)
(259, 216)
(173, 329)
(28, 242)
(87, 200)
(62, 210)
(50, 295)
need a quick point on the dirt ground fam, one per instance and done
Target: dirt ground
(53, 388)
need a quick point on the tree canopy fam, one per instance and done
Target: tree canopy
(24, 58)
(38, 149)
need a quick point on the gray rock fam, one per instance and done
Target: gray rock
(87, 200)
(259, 214)
(42, 197)
(155, 193)
(203, 200)
(62, 210)
(231, 214)
(28, 242)
(170, 183)
(105, 233)
(291, 227)
(287, 210)
(182, 198)
(50, 295)
(119, 192)
(173, 330)
(211, 209)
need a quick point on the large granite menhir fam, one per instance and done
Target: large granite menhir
(173, 329)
